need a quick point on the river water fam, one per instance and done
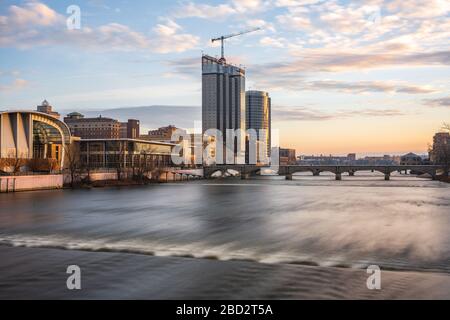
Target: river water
(402, 224)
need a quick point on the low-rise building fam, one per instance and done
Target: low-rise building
(101, 127)
(130, 129)
(411, 159)
(287, 157)
(161, 134)
(124, 153)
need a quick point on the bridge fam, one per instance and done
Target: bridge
(247, 171)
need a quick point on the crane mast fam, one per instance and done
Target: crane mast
(223, 38)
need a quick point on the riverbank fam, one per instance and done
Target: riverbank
(107, 275)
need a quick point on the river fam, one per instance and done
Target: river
(261, 226)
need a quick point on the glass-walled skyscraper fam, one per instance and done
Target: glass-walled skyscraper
(258, 115)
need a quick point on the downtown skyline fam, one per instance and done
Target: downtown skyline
(343, 76)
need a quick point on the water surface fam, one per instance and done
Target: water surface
(363, 220)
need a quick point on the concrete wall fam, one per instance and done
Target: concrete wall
(94, 176)
(26, 183)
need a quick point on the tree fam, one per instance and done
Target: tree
(120, 162)
(72, 161)
(143, 165)
(14, 163)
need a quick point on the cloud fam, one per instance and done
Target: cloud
(168, 40)
(15, 85)
(186, 66)
(31, 13)
(212, 12)
(260, 23)
(308, 114)
(438, 102)
(273, 42)
(295, 3)
(204, 11)
(415, 8)
(365, 87)
(314, 60)
(291, 21)
(36, 24)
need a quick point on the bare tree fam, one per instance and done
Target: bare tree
(72, 161)
(121, 160)
(15, 163)
(144, 165)
(446, 126)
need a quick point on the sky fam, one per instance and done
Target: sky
(371, 77)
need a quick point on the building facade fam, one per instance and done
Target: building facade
(411, 159)
(161, 134)
(101, 127)
(130, 129)
(287, 157)
(31, 135)
(223, 99)
(258, 117)
(45, 107)
(124, 153)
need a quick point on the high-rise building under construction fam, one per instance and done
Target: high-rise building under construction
(223, 97)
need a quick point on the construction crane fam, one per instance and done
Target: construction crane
(222, 39)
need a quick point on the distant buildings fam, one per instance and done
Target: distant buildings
(45, 107)
(101, 127)
(325, 160)
(161, 134)
(287, 157)
(258, 116)
(350, 159)
(223, 98)
(411, 159)
(130, 129)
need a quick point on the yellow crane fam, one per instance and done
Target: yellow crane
(223, 38)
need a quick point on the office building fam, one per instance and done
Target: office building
(130, 129)
(161, 134)
(101, 127)
(126, 153)
(287, 157)
(258, 117)
(92, 128)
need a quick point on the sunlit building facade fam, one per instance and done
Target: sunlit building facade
(126, 153)
(258, 117)
(33, 135)
(223, 98)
